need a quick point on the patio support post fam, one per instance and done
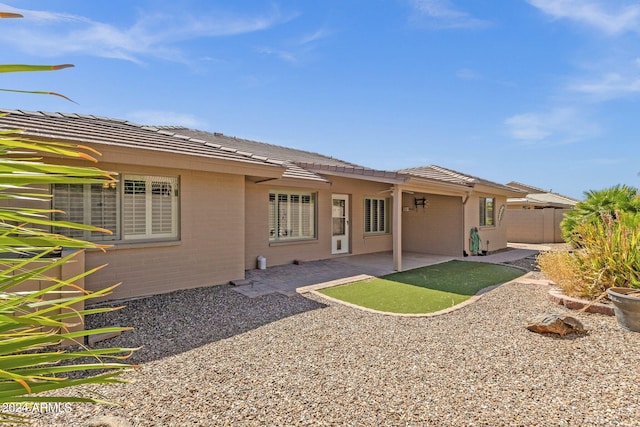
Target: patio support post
(397, 228)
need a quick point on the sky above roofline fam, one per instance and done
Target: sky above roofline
(542, 92)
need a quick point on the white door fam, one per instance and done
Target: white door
(340, 224)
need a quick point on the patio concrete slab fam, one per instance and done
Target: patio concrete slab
(504, 256)
(287, 279)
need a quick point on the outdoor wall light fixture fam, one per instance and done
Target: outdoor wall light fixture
(421, 202)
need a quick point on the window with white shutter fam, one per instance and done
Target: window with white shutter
(93, 204)
(291, 216)
(375, 215)
(137, 207)
(149, 207)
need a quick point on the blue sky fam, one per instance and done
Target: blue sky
(544, 92)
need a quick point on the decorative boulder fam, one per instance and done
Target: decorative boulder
(555, 323)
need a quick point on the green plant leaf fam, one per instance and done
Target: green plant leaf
(39, 92)
(13, 68)
(34, 322)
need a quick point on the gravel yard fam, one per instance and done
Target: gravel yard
(214, 357)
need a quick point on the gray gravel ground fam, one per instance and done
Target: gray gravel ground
(213, 357)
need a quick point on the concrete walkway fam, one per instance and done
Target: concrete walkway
(285, 279)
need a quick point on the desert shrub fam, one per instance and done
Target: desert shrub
(609, 256)
(562, 268)
(596, 206)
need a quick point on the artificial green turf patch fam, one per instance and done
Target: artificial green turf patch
(425, 289)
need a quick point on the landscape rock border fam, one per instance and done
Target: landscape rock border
(557, 296)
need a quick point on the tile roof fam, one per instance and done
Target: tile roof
(293, 159)
(525, 187)
(115, 132)
(355, 170)
(298, 172)
(299, 164)
(271, 151)
(439, 173)
(548, 198)
(538, 196)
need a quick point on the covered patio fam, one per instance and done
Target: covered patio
(285, 279)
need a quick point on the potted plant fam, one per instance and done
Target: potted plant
(619, 264)
(626, 305)
(605, 234)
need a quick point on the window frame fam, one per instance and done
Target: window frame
(487, 211)
(149, 210)
(86, 214)
(278, 234)
(154, 211)
(368, 223)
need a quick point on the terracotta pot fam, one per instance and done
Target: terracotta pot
(626, 307)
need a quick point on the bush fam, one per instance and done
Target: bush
(609, 256)
(597, 205)
(561, 268)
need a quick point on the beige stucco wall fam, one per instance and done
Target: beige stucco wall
(535, 225)
(257, 228)
(496, 235)
(435, 229)
(210, 249)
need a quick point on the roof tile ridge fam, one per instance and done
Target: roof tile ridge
(11, 111)
(159, 130)
(456, 174)
(219, 146)
(541, 190)
(253, 141)
(165, 131)
(563, 196)
(475, 179)
(354, 169)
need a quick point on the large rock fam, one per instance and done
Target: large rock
(556, 323)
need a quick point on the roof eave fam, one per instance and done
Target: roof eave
(499, 190)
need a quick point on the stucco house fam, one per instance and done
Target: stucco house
(535, 217)
(194, 208)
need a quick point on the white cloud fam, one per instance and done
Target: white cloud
(442, 14)
(165, 118)
(467, 74)
(528, 126)
(315, 36)
(610, 17)
(296, 50)
(611, 85)
(152, 35)
(560, 125)
(282, 54)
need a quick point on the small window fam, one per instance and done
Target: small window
(291, 216)
(376, 215)
(487, 215)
